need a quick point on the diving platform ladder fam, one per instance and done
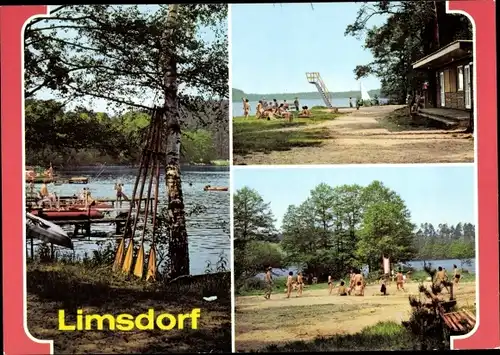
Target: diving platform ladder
(315, 78)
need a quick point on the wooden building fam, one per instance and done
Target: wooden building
(449, 97)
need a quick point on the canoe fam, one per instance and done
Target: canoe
(46, 231)
(215, 188)
(68, 215)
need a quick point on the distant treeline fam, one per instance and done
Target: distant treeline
(83, 137)
(238, 94)
(445, 241)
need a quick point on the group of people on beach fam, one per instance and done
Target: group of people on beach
(274, 109)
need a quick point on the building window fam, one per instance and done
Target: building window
(460, 78)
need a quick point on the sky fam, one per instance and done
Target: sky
(274, 45)
(433, 193)
(101, 105)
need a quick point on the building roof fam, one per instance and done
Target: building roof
(454, 51)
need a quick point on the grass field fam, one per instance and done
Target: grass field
(320, 322)
(260, 135)
(96, 290)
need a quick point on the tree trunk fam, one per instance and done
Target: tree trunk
(178, 243)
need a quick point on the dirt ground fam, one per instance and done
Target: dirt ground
(359, 137)
(261, 322)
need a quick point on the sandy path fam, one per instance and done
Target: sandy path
(260, 322)
(357, 137)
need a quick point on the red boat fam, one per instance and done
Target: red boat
(97, 206)
(68, 215)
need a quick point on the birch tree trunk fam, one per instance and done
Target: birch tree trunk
(178, 243)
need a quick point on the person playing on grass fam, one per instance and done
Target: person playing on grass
(330, 284)
(400, 281)
(246, 107)
(359, 282)
(441, 279)
(383, 287)
(289, 284)
(259, 109)
(300, 284)
(296, 104)
(456, 274)
(269, 283)
(342, 289)
(351, 280)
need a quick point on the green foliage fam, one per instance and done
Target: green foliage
(199, 146)
(347, 226)
(237, 94)
(254, 236)
(388, 336)
(79, 136)
(446, 242)
(408, 34)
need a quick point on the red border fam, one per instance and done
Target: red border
(487, 333)
(17, 341)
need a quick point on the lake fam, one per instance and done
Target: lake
(416, 264)
(337, 102)
(208, 239)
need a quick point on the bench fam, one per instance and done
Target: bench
(459, 322)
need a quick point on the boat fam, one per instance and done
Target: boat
(64, 215)
(364, 93)
(215, 188)
(46, 231)
(78, 180)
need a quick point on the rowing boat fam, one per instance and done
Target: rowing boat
(46, 231)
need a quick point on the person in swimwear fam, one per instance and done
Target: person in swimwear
(456, 274)
(289, 284)
(351, 281)
(441, 279)
(269, 283)
(306, 113)
(330, 284)
(259, 109)
(300, 284)
(383, 288)
(342, 289)
(119, 193)
(400, 281)
(246, 107)
(359, 284)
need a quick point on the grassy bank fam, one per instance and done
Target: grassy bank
(256, 287)
(386, 336)
(259, 135)
(400, 120)
(72, 286)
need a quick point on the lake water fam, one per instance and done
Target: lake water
(417, 265)
(208, 239)
(337, 102)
